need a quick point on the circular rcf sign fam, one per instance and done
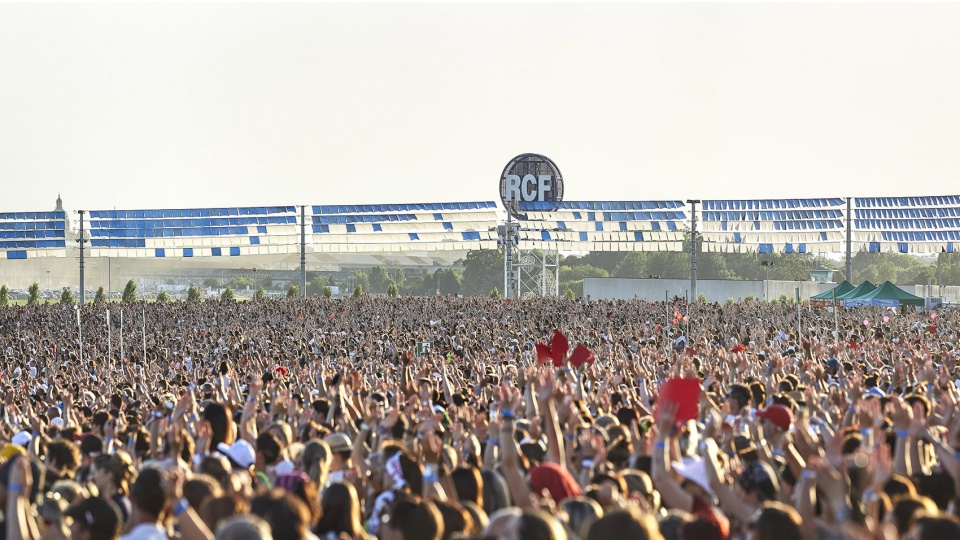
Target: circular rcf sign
(530, 178)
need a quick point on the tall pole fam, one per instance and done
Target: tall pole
(693, 248)
(303, 251)
(849, 244)
(79, 334)
(508, 257)
(121, 334)
(81, 240)
(144, 335)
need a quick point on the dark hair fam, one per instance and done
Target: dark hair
(628, 524)
(200, 488)
(216, 509)
(536, 525)
(701, 529)
(907, 509)
(118, 465)
(415, 520)
(938, 528)
(219, 419)
(740, 393)
(456, 520)
(776, 521)
(496, 493)
(340, 511)
(147, 493)
(469, 484)
(287, 515)
(269, 447)
(67, 456)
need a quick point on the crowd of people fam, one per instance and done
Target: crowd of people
(440, 418)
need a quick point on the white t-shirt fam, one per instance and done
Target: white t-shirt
(146, 531)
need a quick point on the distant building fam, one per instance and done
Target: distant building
(821, 275)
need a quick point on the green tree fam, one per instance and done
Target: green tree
(211, 283)
(293, 291)
(358, 291)
(241, 283)
(227, 294)
(392, 289)
(33, 294)
(162, 297)
(193, 294)
(327, 291)
(632, 266)
(359, 277)
(448, 281)
(4, 296)
(259, 295)
(399, 278)
(568, 294)
(379, 278)
(66, 297)
(100, 297)
(482, 271)
(494, 293)
(130, 292)
(702, 298)
(316, 285)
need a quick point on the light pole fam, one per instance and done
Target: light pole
(693, 248)
(766, 282)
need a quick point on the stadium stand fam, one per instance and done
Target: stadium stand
(28, 235)
(773, 225)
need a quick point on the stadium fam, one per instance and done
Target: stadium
(167, 249)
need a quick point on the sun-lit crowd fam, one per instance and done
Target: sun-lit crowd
(439, 418)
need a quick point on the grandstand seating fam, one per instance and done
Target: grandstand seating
(582, 226)
(28, 235)
(773, 225)
(420, 227)
(906, 224)
(446, 230)
(197, 232)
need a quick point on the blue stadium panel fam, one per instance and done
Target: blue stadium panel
(582, 226)
(416, 227)
(773, 225)
(194, 232)
(906, 224)
(29, 235)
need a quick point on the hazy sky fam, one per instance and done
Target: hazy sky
(199, 105)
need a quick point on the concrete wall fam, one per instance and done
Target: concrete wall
(714, 289)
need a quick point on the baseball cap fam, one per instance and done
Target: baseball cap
(97, 516)
(780, 415)
(241, 453)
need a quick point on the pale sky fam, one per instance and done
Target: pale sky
(140, 106)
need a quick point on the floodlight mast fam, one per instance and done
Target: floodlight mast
(693, 248)
(81, 240)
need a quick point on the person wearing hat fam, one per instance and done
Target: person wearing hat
(93, 519)
(341, 450)
(776, 421)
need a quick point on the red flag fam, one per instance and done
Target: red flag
(738, 348)
(580, 355)
(685, 393)
(559, 348)
(932, 329)
(543, 354)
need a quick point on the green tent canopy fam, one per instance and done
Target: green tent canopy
(889, 293)
(842, 288)
(858, 291)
